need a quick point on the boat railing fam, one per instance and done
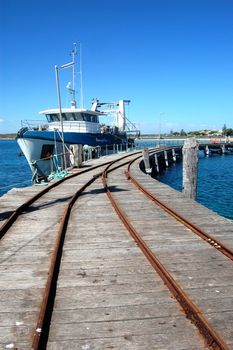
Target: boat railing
(74, 126)
(34, 124)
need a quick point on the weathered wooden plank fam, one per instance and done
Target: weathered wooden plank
(114, 295)
(152, 330)
(108, 295)
(129, 342)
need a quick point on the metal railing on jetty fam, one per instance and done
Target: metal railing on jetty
(58, 165)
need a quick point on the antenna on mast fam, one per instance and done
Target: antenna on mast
(73, 54)
(81, 75)
(71, 86)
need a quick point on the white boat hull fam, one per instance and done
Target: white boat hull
(38, 154)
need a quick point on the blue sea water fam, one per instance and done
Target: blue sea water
(215, 176)
(215, 182)
(14, 170)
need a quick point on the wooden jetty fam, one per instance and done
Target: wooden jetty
(109, 294)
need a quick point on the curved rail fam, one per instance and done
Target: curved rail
(42, 327)
(9, 222)
(41, 331)
(212, 338)
(194, 228)
(13, 217)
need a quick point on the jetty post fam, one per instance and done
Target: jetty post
(173, 155)
(146, 159)
(166, 159)
(156, 163)
(207, 151)
(76, 155)
(190, 166)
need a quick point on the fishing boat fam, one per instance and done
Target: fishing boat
(60, 140)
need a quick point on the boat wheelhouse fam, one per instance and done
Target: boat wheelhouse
(76, 120)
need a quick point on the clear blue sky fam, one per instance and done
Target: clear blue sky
(172, 58)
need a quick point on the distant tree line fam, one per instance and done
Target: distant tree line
(193, 133)
(7, 136)
(225, 132)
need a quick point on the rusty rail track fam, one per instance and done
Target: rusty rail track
(41, 330)
(194, 228)
(18, 211)
(211, 337)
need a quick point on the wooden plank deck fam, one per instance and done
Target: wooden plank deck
(108, 295)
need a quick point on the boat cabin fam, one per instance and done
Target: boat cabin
(74, 120)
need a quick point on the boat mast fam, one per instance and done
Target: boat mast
(73, 54)
(81, 75)
(72, 90)
(60, 115)
(71, 86)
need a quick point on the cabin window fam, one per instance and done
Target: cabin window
(55, 117)
(94, 119)
(90, 118)
(85, 117)
(77, 116)
(71, 116)
(47, 151)
(52, 117)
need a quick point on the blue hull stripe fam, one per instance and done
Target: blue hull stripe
(75, 138)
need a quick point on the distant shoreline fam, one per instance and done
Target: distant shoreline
(7, 136)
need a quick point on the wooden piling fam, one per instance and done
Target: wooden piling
(146, 159)
(166, 159)
(76, 155)
(156, 163)
(207, 151)
(173, 155)
(190, 164)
